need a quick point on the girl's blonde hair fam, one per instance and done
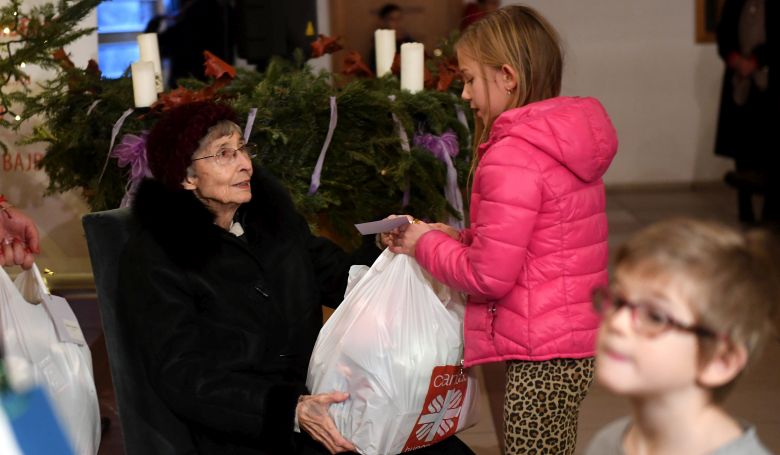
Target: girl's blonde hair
(521, 38)
(729, 279)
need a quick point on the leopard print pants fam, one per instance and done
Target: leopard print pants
(541, 405)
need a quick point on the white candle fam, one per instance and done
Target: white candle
(384, 48)
(150, 52)
(144, 90)
(412, 66)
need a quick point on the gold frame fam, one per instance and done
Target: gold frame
(707, 15)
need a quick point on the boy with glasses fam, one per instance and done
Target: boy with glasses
(691, 305)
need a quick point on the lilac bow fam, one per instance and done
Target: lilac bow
(439, 146)
(444, 148)
(132, 152)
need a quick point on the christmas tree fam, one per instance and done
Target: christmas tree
(33, 37)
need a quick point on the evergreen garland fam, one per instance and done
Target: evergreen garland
(78, 139)
(365, 172)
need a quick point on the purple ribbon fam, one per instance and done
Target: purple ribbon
(250, 121)
(405, 147)
(132, 152)
(444, 148)
(315, 176)
(114, 131)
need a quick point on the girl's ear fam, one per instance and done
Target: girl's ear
(508, 78)
(727, 362)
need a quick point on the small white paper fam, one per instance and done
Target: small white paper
(65, 322)
(386, 225)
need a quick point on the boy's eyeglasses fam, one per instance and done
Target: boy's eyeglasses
(647, 321)
(227, 156)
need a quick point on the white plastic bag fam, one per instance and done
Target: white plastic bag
(395, 345)
(35, 354)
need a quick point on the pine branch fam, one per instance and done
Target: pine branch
(30, 38)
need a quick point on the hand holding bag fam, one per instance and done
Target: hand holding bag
(395, 345)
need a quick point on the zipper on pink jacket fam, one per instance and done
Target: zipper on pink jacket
(492, 311)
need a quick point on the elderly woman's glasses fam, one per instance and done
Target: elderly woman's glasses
(227, 156)
(646, 319)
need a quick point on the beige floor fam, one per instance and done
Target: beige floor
(756, 398)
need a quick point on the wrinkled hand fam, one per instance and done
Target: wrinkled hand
(18, 238)
(385, 239)
(447, 229)
(406, 240)
(388, 239)
(313, 418)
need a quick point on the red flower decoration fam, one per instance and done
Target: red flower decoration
(22, 29)
(428, 81)
(216, 67)
(395, 68)
(325, 45)
(448, 72)
(354, 65)
(62, 58)
(177, 97)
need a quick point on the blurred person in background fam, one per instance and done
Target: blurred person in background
(750, 106)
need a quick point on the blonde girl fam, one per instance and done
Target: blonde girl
(537, 241)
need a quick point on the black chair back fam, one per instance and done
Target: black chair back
(148, 426)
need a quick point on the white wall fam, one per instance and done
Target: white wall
(639, 57)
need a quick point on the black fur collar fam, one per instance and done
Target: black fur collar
(185, 228)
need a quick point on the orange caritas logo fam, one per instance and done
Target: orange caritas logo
(441, 410)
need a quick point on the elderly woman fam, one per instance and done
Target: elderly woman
(225, 284)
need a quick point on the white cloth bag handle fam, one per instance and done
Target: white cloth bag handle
(32, 285)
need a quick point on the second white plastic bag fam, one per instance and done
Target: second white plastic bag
(35, 355)
(395, 345)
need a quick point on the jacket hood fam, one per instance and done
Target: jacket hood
(576, 132)
(185, 228)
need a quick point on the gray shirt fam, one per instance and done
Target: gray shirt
(609, 441)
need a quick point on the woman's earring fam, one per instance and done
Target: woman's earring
(509, 92)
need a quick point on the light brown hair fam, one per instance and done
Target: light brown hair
(521, 38)
(730, 279)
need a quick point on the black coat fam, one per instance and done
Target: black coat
(747, 132)
(227, 325)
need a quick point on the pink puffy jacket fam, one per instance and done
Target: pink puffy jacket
(537, 242)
